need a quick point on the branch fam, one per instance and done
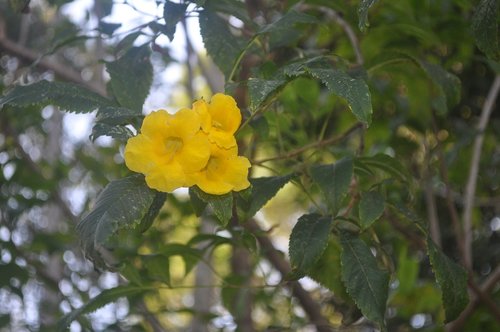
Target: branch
(63, 72)
(470, 189)
(318, 144)
(310, 306)
(333, 15)
(487, 286)
(455, 219)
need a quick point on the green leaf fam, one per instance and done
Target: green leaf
(308, 241)
(157, 267)
(263, 189)
(326, 270)
(448, 86)
(485, 28)
(131, 77)
(68, 97)
(452, 279)
(283, 31)
(108, 28)
(122, 204)
(173, 13)
(198, 204)
(371, 207)
(387, 164)
(259, 90)
(334, 181)
(105, 297)
(354, 90)
(365, 282)
(220, 43)
(120, 133)
(222, 205)
(364, 6)
(154, 210)
(116, 115)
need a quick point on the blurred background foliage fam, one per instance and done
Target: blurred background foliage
(205, 278)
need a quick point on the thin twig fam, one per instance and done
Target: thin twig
(430, 199)
(470, 189)
(61, 71)
(458, 324)
(318, 144)
(333, 15)
(310, 306)
(455, 219)
(189, 57)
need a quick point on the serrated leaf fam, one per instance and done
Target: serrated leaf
(173, 13)
(371, 207)
(198, 204)
(122, 204)
(153, 211)
(334, 181)
(448, 86)
(326, 270)
(387, 164)
(67, 96)
(485, 28)
(263, 189)
(283, 31)
(105, 297)
(120, 133)
(365, 282)
(131, 77)
(116, 115)
(222, 205)
(308, 241)
(364, 6)
(451, 278)
(259, 90)
(354, 90)
(220, 43)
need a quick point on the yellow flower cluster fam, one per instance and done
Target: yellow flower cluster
(191, 147)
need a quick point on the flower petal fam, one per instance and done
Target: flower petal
(222, 139)
(237, 173)
(184, 123)
(201, 107)
(167, 178)
(140, 155)
(154, 124)
(195, 153)
(225, 113)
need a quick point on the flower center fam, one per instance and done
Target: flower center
(217, 124)
(172, 146)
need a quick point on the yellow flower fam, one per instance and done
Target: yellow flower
(168, 149)
(219, 119)
(225, 171)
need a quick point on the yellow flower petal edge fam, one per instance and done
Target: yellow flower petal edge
(220, 119)
(191, 147)
(225, 172)
(167, 149)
